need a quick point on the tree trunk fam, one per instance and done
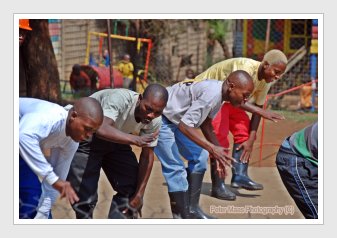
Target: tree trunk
(225, 49)
(42, 77)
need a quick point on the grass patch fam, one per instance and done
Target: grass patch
(298, 116)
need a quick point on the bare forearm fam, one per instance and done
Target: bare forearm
(208, 131)
(255, 120)
(252, 108)
(258, 110)
(144, 171)
(194, 135)
(110, 133)
(254, 125)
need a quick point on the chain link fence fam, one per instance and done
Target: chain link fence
(294, 37)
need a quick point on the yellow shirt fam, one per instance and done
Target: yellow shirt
(126, 68)
(221, 70)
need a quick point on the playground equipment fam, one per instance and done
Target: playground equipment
(97, 43)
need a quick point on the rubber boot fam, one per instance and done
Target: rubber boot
(114, 212)
(194, 189)
(179, 205)
(84, 211)
(219, 189)
(120, 208)
(240, 177)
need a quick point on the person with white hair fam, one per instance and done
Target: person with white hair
(236, 120)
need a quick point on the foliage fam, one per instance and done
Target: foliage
(217, 29)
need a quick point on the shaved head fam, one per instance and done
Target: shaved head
(237, 88)
(90, 107)
(241, 79)
(156, 91)
(151, 103)
(84, 119)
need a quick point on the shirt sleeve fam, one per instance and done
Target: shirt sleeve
(32, 129)
(114, 105)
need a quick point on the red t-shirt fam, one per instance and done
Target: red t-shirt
(81, 81)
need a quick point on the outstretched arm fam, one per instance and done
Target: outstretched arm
(209, 143)
(253, 108)
(108, 131)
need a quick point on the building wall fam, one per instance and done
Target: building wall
(186, 37)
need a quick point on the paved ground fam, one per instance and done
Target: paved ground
(249, 204)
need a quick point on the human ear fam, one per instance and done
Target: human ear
(231, 86)
(265, 64)
(73, 115)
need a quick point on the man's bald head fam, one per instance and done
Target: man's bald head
(151, 103)
(89, 107)
(241, 79)
(156, 91)
(84, 118)
(237, 87)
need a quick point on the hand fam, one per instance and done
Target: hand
(271, 115)
(247, 150)
(134, 207)
(137, 203)
(66, 190)
(222, 158)
(145, 140)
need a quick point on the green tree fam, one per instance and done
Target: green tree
(217, 30)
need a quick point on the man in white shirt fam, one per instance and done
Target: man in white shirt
(193, 105)
(45, 125)
(130, 118)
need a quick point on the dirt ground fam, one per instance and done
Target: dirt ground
(262, 169)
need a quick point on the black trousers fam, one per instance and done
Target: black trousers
(118, 162)
(300, 177)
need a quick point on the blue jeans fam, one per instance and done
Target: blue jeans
(300, 177)
(172, 145)
(29, 191)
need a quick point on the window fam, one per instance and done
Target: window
(297, 33)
